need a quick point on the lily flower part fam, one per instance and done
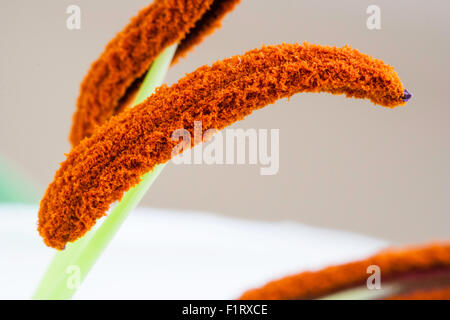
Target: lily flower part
(408, 274)
(115, 77)
(101, 168)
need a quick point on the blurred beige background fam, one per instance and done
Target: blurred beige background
(343, 163)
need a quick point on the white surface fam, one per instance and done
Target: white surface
(164, 254)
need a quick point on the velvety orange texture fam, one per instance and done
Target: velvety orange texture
(393, 263)
(101, 168)
(114, 77)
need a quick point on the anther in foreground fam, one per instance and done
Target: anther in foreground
(101, 168)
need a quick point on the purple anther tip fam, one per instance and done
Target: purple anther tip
(406, 95)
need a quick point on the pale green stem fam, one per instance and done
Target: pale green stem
(70, 266)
